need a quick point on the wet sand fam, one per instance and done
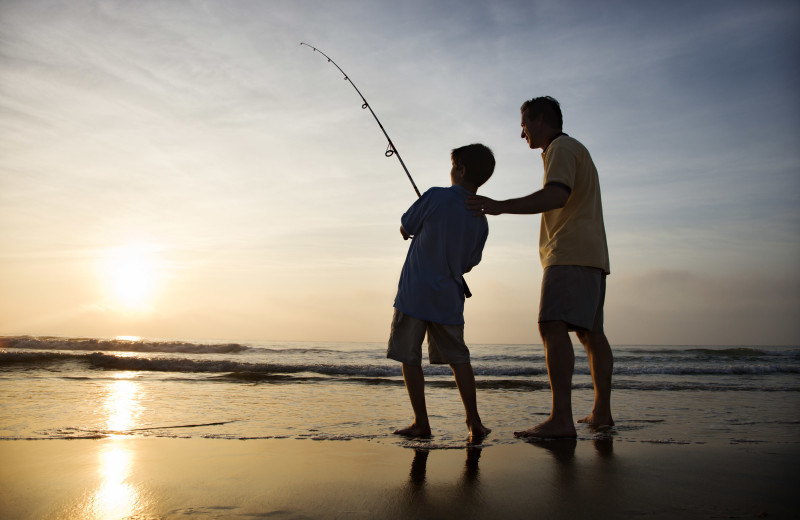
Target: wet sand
(147, 478)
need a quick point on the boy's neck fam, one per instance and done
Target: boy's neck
(470, 187)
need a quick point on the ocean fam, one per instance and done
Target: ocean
(92, 388)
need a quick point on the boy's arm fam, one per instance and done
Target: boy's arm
(477, 254)
(411, 221)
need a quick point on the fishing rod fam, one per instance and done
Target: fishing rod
(390, 149)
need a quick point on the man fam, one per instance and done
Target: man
(574, 255)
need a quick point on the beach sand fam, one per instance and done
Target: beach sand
(146, 478)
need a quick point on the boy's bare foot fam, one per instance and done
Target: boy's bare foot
(414, 431)
(549, 430)
(597, 420)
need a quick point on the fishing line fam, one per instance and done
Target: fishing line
(390, 149)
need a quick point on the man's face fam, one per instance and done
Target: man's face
(531, 130)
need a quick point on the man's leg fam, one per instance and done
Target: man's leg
(601, 363)
(415, 385)
(560, 360)
(465, 380)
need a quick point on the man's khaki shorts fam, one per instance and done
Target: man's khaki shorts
(575, 295)
(445, 342)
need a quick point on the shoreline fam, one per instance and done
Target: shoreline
(299, 479)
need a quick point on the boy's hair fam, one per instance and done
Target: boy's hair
(477, 160)
(546, 107)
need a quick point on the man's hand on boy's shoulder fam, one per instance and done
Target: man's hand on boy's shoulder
(406, 236)
(480, 205)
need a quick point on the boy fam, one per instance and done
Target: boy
(447, 242)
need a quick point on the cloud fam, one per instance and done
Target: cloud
(204, 126)
(682, 307)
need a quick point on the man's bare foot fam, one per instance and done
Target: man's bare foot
(478, 431)
(414, 431)
(597, 420)
(549, 430)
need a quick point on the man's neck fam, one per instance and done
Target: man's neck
(553, 136)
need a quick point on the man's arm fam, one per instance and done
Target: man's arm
(552, 196)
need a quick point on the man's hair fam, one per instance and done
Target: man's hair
(546, 107)
(477, 160)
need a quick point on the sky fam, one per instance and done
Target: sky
(188, 170)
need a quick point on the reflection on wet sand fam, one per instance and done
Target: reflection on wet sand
(563, 450)
(419, 467)
(116, 496)
(604, 446)
(463, 496)
(576, 485)
(420, 497)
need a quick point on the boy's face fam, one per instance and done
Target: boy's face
(456, 174)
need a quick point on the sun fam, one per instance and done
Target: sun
(133, 280)
(132, 274)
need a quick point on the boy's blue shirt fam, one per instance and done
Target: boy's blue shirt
(448, 240)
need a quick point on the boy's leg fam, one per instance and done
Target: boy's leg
(446, 346)
(465, 380)
(415, 385)
(405, 345)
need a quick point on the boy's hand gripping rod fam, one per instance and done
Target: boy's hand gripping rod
(390, 149)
